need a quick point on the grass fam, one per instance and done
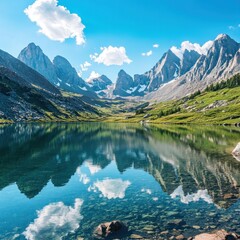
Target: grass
(214, 106)
(5, 121)
(196, 110)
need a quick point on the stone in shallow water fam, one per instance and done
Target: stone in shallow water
(180, 237)
(177, 223)
(135, 236)
(236, 152)
(196, 227)
(110, 230)
(216, 235)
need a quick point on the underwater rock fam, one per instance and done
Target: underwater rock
(180, 237)
(216, 235)
(176, 223)
(110, 230)
(135, 236)
(236, 152)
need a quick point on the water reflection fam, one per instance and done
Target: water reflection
(55, 221)
(111, 188)
(123, 167)
(31, 155)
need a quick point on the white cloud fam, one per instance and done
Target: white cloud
(55, 221)
(195, 197)
(83, 176)
(93, 168)
(111, 188)
(156, 45)
(148, 191)
(93, 75)
(234, 27)
(186, 45)
(93, 56)
(85, 66)
(111, 56)
(55, 21)
(147, 54)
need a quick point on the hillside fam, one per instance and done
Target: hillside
(218, 104)
(20, 101)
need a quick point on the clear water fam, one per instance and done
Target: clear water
(60, 181)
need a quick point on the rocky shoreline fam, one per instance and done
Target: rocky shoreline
(119, 230)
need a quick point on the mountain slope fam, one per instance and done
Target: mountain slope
(25, 72)
(59, 72)
(34, 57)
(21, 101)
(100, 85)
(69, 79)
(218, 104)
(220, 62)
(170, 66)
(124, 84)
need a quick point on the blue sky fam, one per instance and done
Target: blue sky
(134, 25)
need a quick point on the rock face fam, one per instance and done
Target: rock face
(26, 72)
(110, 230)
(220, 62)
(66, 72)
(169, 67)
(165, 70)
(124, 84)
(34, 57)
(191, 70)
(20, 100)
(236, 152)
(59, 72)
(68, 78)
(100, 85)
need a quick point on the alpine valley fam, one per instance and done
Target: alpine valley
(189, 84)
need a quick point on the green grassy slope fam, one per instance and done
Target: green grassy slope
(219, 104)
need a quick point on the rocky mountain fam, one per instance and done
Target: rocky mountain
(169, 67)
(26, 95)
(221, 62)
(34, 57)
(124, 85)
(28, 74)
(59, 72)
(183, 71)
(20, 101)
(68, 79)
(100, 85)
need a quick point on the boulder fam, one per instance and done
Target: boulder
(110, 230)
(236, 152)
(216, 235)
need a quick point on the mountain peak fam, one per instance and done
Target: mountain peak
(34, 57)
(222, 36)
(32, 44)
(32, 47)
(59, 60)
(122, 72)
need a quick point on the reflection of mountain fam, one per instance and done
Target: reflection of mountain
(193, 159)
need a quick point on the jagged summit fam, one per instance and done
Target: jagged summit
(191, 66)
(222, 35)
(59, 72)
(34, 57)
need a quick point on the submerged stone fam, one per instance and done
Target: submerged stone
(110, 230)
(217, 235)
(236, 152)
